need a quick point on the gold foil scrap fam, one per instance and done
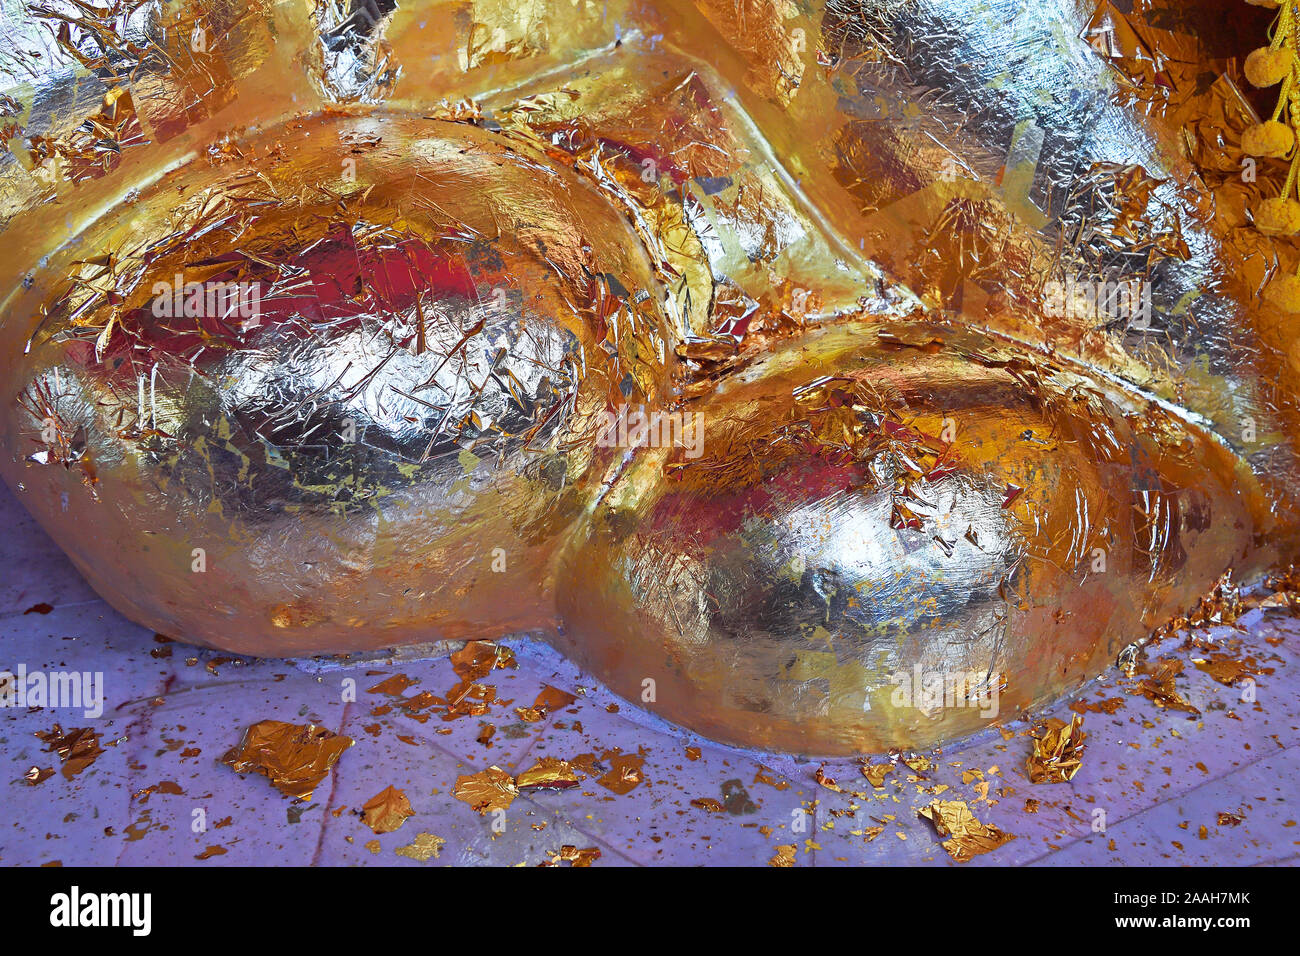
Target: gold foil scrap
(95, 147)
(424, 847)
(1285, 586)
(165, 786)
(784, 855)
(769, 777)
(549, 773)
(624, 774)
(1058, 751)
(78, 748)
(1159, 687)
(1285, 600)
(919, 763)
(1222, 605)
(394, 686)
(550, 699)
(869, 833)
(477, 659)
(968, 837)
(469, 699)
(1107, 706)
(573, 856)
(1228, 669)
(876, 773)
(829, 783)
(490, 790)
(386, 810)
(294, 757)
(37, 775)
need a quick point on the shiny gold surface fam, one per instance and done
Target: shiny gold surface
(847, 247)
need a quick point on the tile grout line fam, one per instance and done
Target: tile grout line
(329, 800)
(1155, 806)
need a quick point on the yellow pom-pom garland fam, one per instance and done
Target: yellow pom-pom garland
(1269, 67)
(1278, 217)
(1269, 138)
(1284, 292)
(1279, 62)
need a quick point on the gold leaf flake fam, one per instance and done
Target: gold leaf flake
(78, 748)
(477, 659)
(968, 837)
(1159, 687)
(876, 773)
(573, 856)
(424, 847)
(386, 810)
(624, 774)
(918, 762)
(549, 700)
(784, 855)
(490, 790)
(1058, 751)
(294, 757)
(549, 773)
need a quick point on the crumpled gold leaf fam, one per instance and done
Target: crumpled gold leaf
(919, 763)
(876, 773)
(549, 773)
(469, 699)
(95, 146)
(573, 856)
(969, 837)
(37, 775)
(477, 659)
(425, 845)
(473, 662)
(489, 790)
(1058, 751)
(394, 686)
(294, 757)
(769, 777)
(829, 783)
(1228, 669)
(1159, 687)
(784, 856)
(1287, 600)
(550, 699)
(77, 748)
(624, 774)
(386, 810)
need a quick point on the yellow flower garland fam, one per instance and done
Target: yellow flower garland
(1279, 62)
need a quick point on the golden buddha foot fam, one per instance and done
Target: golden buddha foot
(678, 334)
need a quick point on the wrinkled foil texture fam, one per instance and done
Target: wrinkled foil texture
(831, 238)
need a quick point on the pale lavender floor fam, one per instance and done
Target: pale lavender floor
(1157, 775)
